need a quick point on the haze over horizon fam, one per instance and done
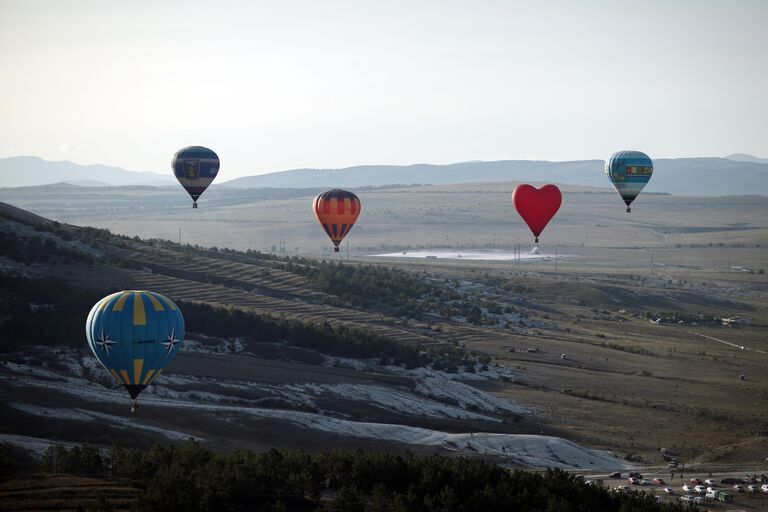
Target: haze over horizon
(301, 85)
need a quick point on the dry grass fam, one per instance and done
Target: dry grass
(64, 493)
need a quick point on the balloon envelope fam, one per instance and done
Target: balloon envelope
(336, 210)
(195, 167)
(134, 335)
(536, 206)
(629, 171)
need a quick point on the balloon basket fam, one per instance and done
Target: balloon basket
(194, 205)
(134, 405)
(335, 249)
(629, 210)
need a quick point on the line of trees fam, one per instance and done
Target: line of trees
(36, 249)
(335, 340)
(42, 311)
(188, 477)
(368, 286)
(46, 311)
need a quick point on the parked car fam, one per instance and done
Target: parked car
(687, 488)
(672, 465)
(621, 488)
(729, 481)
(669, 490)
(751, 488)
(635, 474)
(659, 481)
(699, 489)
(645, 481)
(764, 488)
(615, 475)
(709, 481)
(698, 499)
(633, 481)
(686, 499)
(738, 488)
(696, 481)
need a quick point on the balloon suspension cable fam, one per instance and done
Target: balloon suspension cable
(134, 405)
(629, 210)
(335, 249)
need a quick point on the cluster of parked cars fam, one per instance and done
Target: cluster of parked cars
(710, 490)
(698, 491)
(635, 478)
(750, 488)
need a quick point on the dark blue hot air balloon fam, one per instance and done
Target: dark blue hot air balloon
(629, 171)
(195, 167)
(134, 335)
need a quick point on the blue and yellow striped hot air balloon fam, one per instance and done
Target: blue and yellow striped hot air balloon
(134, 335)
(629, 171)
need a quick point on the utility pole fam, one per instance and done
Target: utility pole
(517, 254)
(347, 249)
(555, 258)
(179, 236)
(651, 263)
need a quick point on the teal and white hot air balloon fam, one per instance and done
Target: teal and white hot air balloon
(629, 171)
(134, 335)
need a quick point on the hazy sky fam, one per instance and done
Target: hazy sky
(286, 84)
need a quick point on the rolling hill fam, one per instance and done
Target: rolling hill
(678, 176)
(25, 171)
(734, 175)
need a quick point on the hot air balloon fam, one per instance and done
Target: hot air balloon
(629, 171)
(337, 211)
(134, 335)
(195, 167)
(536, 206)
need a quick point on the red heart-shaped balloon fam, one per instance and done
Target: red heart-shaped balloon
(536, 206)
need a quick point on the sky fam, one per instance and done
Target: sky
(324, 84)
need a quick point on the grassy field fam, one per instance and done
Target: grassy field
(591, 222)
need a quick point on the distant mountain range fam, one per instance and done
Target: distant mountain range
(679, 176)
(28, 171)
(737, 174)
(743, 157)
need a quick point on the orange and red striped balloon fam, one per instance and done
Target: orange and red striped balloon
(337, 211)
